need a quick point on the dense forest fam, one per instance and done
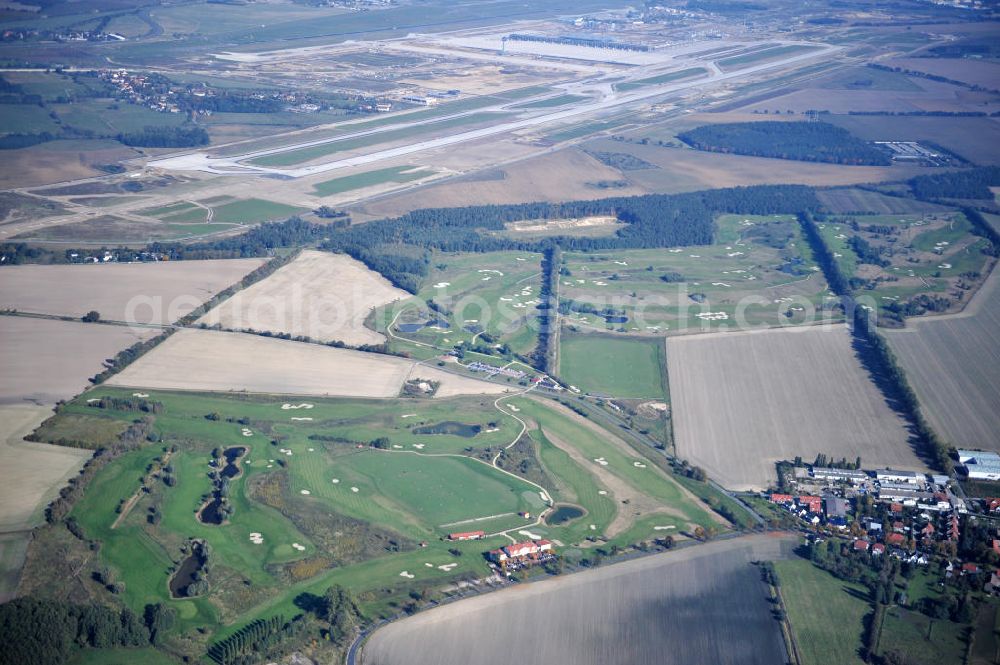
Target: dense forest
(47, 631)
(968, 184)
(397, 247)
(804, 141)
(165, 137)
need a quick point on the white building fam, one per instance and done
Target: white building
(980, 465)
(892, 476)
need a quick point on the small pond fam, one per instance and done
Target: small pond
(409, 327)
(563, 513)
(211, 512)
(232, 469)
(616, 319)
(185, 575)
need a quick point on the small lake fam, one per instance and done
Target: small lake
(616, 319)
(563, 514)
(450, 427)
(211, 513)
(184, 576)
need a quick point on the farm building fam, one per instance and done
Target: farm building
(467, 535)
(845, 475)
(782, 499)
(980, 465)
(908, 497)
(889, 475)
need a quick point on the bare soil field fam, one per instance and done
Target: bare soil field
(154, 293)
(704, 604)
(320, 295)
(851, 200)
(953, 363)
(974, 72)
(236, 362)
(933, 96)
(59, 161)
(683, 170)
(563, 175)
(973, 139)
(43, 361)
(744, 400)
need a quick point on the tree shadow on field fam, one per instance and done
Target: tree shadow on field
(869, 360)
(308, 602)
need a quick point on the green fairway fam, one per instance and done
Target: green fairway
(314, 504)
(614, 366)
(827, 615)
(496, 293)
(759, 271)
(370, 178)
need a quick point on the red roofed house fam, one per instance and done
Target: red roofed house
(813, 503)
(782, 498)
(970, 569)
(896, 508)
(878, 548)
(898, 527)
(467, 535)
(993, 505)
(928, 529)
(896, 539)
(996, 546)
(861, 545)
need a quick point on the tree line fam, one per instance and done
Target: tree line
(879, 355)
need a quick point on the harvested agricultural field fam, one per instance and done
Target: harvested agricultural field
(982, 73)
(43, 361)
(236, 362)
(684, 170)
(953, 364)
(633, 612)
(320, 295)
(156, 293)
(744, 400)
